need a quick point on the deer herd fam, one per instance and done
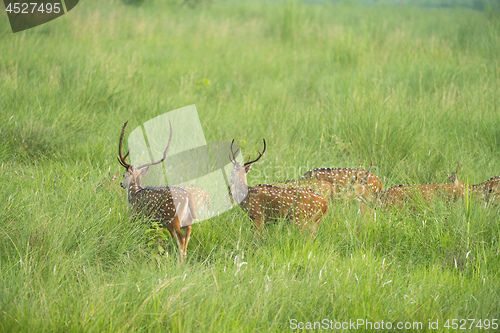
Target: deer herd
(304, 201)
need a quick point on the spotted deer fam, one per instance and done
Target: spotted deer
(267, 202)
(359, 187)
(172, 206)
(487, 191)
(401, 195)
(321, 187)
(341, 179)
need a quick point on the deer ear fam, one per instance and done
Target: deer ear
(247, 168)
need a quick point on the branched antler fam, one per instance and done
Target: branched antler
(121, 158)
(164, 154)
(258, 158)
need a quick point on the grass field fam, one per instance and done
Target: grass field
(416, 89)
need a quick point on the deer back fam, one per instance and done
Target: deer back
(341, 179)
(163, 204)
(274, 202)
(490, 190)
(321, 187)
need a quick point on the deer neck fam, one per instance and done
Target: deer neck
(240, 189)
(134, 188)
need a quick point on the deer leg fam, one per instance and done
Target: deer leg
(188, 214)
(259, 224)
(299, 219)
(175, 231)
(182, 241)
(366, 210)
(172, 233)
(298, 212)
(315, 221)
(314, 230)
(175, 237)
(302, 225)
(256, 215)
(187, 232)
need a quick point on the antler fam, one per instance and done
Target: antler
(359, 168)
(366, 172)
(232, 157)
(258, 158)
(371, 164)
(164, 154)
(453, 177)
(365, 177)
(120, 157)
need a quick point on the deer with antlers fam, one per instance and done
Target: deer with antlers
(341, 179)
(172, 206)
(488, 191)
(266, 202)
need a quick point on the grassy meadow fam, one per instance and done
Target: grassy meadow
(415, 88)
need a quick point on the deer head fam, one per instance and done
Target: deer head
(359, 185)
(238, 186)
(453, 180)
(132, 175)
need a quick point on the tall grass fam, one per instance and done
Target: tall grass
(416, 89)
